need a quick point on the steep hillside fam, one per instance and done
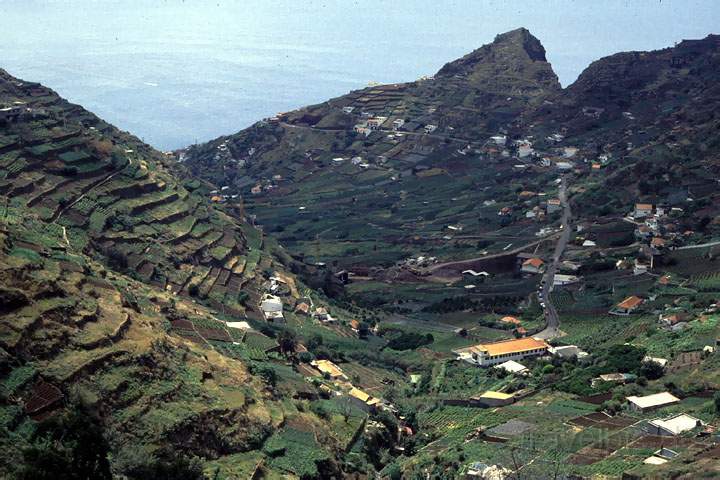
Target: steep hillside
(113, 195)
(464, 162)
(130, 300)
(382, 172)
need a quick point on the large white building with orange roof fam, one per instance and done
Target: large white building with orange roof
(488, 354)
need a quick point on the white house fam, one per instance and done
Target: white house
(525, 149)
(651, 402)
(430, 128)
(569, 152)
(398, 123)
(499, 139)
(561, 279)
(271, 303)
(672, 426)
(490, 354)
(567, 351)
(511, 366)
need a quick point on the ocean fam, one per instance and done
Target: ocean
(179, 72)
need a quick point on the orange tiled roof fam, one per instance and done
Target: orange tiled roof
(535, 262)
(511, 346)
(510, 319)
(657, 242)
(630, 302)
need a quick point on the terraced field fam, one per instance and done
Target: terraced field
(115, 196)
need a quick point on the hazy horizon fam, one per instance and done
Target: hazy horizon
(174, 73)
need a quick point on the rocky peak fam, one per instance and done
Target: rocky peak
(516, 54)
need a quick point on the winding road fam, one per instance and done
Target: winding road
(552, 328)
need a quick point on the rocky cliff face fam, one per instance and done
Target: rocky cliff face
(515, 56)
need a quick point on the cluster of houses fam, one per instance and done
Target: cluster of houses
(370, 123)
(360, 398)
(658, 225)
(534, 206)
(526, 154)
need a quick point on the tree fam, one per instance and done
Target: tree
(651, 370)
(716, 401)
(167, 467)
(287, 341)
(67, 447)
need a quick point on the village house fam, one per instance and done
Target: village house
(302, 308)
(499, 139)
(326, 367)
(363, 400)
(430, 128)
(322, 315)
(511, 366)
(482, 471)
(673, 321)
(652, 402)
(639, 267)
(568, 351)
(272, 308)
(627, 306)
(569, 152)
(660, 361)
(563, 166)
(657, 242)
(561, 279)
(553, 205)
(510, 320)
(643, 210)
(613, 378)
(525, 149)
(362, 129)
(397, 124)
(348, 109)
(355, 325)
(489, 354)
(661, 457)
(491, 398)
(532, 265)
(375, 123)
(672, 426)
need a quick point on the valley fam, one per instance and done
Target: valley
(478, 271)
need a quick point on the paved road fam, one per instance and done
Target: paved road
(552, 329)
(702, 245)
